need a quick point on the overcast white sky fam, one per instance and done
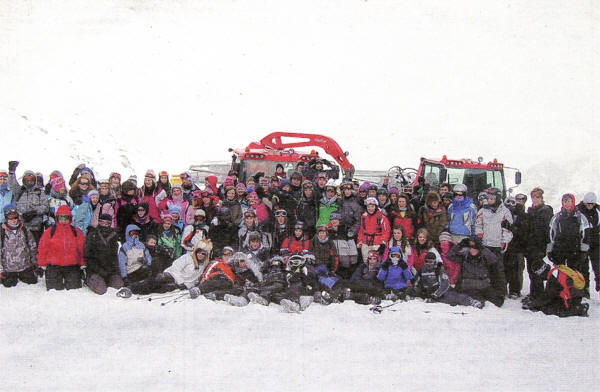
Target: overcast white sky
(390, 80)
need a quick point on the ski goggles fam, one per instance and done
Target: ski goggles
(11, 213)
(84, 183)
(63, 217)
(280, 213)
(461, 194)
(227, 253)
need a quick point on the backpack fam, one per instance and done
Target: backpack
(563, 274)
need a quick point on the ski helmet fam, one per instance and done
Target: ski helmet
(296, 261)
(460, 189)
(371, 200)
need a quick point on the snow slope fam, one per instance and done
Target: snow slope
(81, 341)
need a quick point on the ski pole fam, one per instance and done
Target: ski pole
(173, 299)
(163, 296)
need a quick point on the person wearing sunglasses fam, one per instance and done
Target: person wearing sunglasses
(461, 214)
(31, 200)
(18, 260)
(61, 251)
(80, 188)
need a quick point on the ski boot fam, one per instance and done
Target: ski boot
(124, 292)
(211, 296)
(305, 301)
(476, 303)
(323, 298)
(257, 299)
(234, 300)
(288, 306)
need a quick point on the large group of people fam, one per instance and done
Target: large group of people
(296, 238)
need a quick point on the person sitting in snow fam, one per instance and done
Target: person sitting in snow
(482, 273)
(184, 273)
(395, 274)
(433, 284)
(134, 259)
(565, 289)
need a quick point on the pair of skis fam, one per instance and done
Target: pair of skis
(377, 309)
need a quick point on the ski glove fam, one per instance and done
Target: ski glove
(12, 166)
(386, 265)
(29, 215)
(403, 264)
(381, 249)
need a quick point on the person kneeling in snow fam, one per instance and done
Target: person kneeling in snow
(61, 250)
(433, 284)
(18, 249)
(482, 272)
(101, 256)
(565, 288)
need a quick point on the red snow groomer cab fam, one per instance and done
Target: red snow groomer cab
(275, 148)
(476, 175)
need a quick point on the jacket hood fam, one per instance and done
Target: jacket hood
(64, 210)
(212, 182)
(562, 201)
(431, 197)
(127, 230)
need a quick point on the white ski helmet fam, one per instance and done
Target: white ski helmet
(460, 188)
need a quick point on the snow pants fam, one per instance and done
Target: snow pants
(514, 264)
(219, 286)
(453, 298)
(59, 278)
(535, 260)
(594, 256)
(487, 294)
(26, 276)
(160, 283)
(99, 284)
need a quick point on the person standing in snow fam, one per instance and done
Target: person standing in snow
(432, 215)
(514, 262)
(374, 231)
(58, 196)
(591, 210)
(538, 236)
(31, 200)
(6, 195)
(569, 243)
(18, 250)
(61, 251)
(461, 214)
(493, 223)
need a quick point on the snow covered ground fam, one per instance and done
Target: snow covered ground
(120, 84)
(78, 340)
